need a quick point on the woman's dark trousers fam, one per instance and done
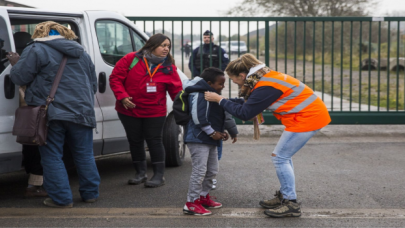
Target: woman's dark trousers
(150, 130)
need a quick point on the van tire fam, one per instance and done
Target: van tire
(173, 142)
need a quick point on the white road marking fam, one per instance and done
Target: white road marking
(248, 213)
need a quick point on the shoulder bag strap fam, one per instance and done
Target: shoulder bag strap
(56, 81)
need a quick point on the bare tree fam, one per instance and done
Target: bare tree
(303, 8)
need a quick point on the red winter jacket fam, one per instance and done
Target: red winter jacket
(125, 83)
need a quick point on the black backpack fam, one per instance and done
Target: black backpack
(180, 108)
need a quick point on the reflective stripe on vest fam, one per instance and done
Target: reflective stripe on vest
(302, 105)
(297, 90)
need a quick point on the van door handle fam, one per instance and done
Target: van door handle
(9, 87)
(102, 82)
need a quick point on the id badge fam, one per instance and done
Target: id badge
(151, 87)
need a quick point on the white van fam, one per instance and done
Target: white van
(242, 49)
(106, 36)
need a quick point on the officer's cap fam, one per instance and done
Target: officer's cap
(207, 33)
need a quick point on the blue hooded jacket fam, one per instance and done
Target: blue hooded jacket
(37, 67)
(207, 117)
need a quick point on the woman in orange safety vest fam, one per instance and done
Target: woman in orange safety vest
(292, 102)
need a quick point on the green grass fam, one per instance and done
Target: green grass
(327, 60)
(377, 97)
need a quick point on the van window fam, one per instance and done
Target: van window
(139, 42)
(16, 26)
(114, 40)
(4, 44)
(23, 31)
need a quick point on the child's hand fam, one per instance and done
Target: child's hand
(225, 136)
(235, 138)
(217, 136)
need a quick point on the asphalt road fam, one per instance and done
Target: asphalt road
(341, 181)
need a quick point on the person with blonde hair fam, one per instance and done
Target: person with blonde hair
(71, 116)
(293, 103)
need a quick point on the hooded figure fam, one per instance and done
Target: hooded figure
(71, 115)
(37, 67)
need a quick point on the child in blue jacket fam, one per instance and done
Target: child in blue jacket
(203, 135)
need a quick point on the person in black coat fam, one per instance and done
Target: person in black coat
(187, 49)
(211, 54)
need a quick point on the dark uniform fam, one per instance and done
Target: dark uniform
(187, 49)
(195, 59)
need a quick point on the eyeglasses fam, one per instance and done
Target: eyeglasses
(165, 46)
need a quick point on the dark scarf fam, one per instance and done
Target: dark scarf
(153, 58)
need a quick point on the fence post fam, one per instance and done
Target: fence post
(266, 43)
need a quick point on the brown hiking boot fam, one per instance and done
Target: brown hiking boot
(35, 191)
(273, 203)
(286, 209)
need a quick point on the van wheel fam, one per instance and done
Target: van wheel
(173, 141)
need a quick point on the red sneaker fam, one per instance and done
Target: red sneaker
(208, 202)
(195, 208)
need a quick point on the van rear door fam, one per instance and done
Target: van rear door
(10, 151)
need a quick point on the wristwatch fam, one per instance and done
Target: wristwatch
(213, 134)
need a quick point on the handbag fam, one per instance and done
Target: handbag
(30, 124)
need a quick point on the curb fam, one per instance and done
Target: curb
(331, 131)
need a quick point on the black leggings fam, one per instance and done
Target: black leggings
(32, 160)
(140, 129)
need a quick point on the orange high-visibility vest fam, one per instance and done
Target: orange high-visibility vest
(299, 109)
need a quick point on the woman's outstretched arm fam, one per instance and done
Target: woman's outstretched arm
(260, 99)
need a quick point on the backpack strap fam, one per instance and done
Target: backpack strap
(183, 107)
(134, 62)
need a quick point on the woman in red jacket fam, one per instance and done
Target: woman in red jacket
(140, 81)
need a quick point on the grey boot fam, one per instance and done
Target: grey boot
(157, 180)
(140, 177)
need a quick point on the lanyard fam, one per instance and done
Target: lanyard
(147, 67)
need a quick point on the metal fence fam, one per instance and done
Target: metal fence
(355, 64)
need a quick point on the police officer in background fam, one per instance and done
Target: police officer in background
(195, 59)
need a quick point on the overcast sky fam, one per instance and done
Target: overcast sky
(209, 8)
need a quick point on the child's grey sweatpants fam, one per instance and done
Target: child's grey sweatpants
(204, 158)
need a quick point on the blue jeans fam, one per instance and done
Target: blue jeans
(289, 144)
(220, 150)
(80, 141)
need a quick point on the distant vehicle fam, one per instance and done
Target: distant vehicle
(235, 48)
(195, 44)
(373, 64)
